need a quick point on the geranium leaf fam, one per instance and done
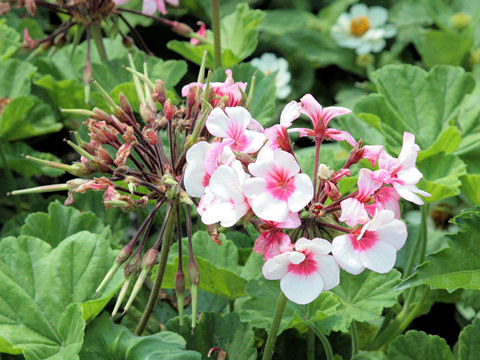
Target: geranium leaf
(105, 340)
(417, 345)
(15, 78)
(468, 346)
(458, 265)
(215, 330)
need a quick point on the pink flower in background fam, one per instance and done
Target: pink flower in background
(202, 32)
(320, 118)
(373, 246)
(150, 6)
(304, 272)
(223, 200)
(277, 187)
(273, 241)
(403, 174)
(231, 125)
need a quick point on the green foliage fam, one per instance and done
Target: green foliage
(417, 345)
(458, 265)
(105, 340)
(215, 330)
(9, 41)
(35, 322)
(468, 346)
(239, 38)
(15, 78)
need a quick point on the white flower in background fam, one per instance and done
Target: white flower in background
(269, 63)
(363, 29)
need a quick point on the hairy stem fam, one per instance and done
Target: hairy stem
(325, 343)
(355, 341)
(167, 238)
(272, 334)
(216, 33)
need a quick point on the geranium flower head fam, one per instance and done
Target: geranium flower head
(363, 29)
(373, 246)
(304, 272)
(277, 187)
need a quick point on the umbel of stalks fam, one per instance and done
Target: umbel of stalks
(126, 157)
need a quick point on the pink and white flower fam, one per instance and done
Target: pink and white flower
(353, 208)
(202, 32)
(385, 198)
(223, 200)
(231, 125)
(274, 241)
(202, 161)
(403, 174)
(277, 187)
(373, 246)
(150, 6)
(305, 272)
(233, 90)
(320, 118)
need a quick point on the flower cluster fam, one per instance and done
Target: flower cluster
(251, 173)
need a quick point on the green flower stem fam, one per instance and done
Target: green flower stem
(310, 345)
(355, 341)
(216, 33)
(272, 335)
(400, 324)
(98, 38)
(167, 238)
(420, 243)
(325, 343)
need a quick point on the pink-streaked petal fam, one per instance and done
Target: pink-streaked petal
(394, 233)
(340, 135)
(302, 131)
(387, 198)
(408, 154)
(255, 125)
(173, 2)
(186, 88)
(353, 212)
(161, 6)
(216, 212)
(276, 268)
(367, 184)
(333, 111)
(372, 153)
(290, 113)
(302, 289)
(345, 255)
(272, 243)
(379, 258)
(303, 193)
(311, 108)
(319, 246)
(291, 222)
(286, 161)
(263, 165)
(387, 162)
(410, 176)
(329, 270)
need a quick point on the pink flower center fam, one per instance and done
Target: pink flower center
(368, 239)
(236, 134)
(306, 267)
(279, 184)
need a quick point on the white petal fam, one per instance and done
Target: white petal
(406, 193)
(393, 233)
(276, 267)
(286, 161)
(296, 257)
(303, 193)
(379, 258)
(263, 204)
(290, 113)
(301, 289)
(223, 181)
(377, 16)
(328, 270)
(256, 140)
(345, 255)
(358, 10)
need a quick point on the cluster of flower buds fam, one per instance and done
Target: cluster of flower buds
(243, 171)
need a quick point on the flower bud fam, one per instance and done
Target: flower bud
(185, 198)
(149, 259)
(181, 28)
(150, 136)
(191, 96)
(332, 191)
(193, 272)
(125, 105)
(324, 172)
(169, 110)
(124, 254)
(103, 156)
(460, 20)
(127, 41)
(133, 266)
(179, 292)
(160, 94)
(122, 154)
(365, 60)
(28, 42)
(146, 112)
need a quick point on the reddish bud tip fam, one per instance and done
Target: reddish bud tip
(160, 92)
(169, 110)
(149, 259)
